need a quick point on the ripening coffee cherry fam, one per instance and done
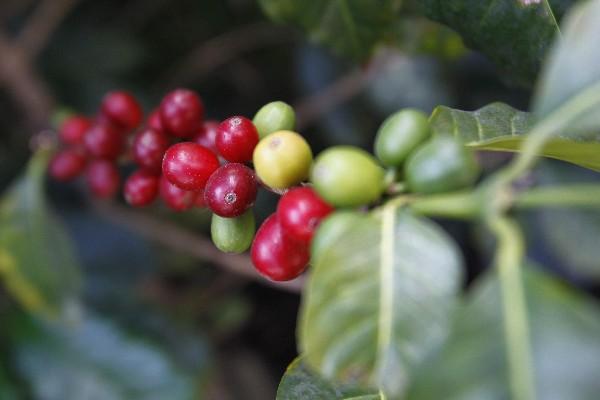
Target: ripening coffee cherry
(73, 129)
(236, 139)
(346, 176)
(273, 117)
(300, 211)
(275, 255)
(441, 165)
(189, 165)
(175, 198)
(399, 135)
(154, 121)
(104, 140)
(149, 147)
(122, 109)
(66, 165)
(103, 178)
(141, 188)
(331, 230)
(231, 190)
(282, 159)
(181, 113)
(207, 135)
(233, 235)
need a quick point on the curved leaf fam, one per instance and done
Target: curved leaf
(514, 34)
(565, 335)
(378, 302)
(300, 383)
(500, 127)
(37, 262)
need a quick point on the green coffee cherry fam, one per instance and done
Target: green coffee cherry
(273, 117)
(347, 176)
(440, 165)
(331, 229)
(399, 135)
(233, 235)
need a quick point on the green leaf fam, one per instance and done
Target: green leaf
(96, 360)
(350, 27)
(7, 387)
(37, 262)
(379, 301)
(565, 335)
(570, 84)
(500, 127)
(300, 383)
(514, 34)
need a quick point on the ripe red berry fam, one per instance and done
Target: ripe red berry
(231, 190)
(181, 113)
(74, 128)
(236, 139)
(66, 165)
(122, 109)
(141, 188)
(174, 197)
(207, 135)
(104, 141)
(148, 149)
(189, 165)
(300, 212)
(154, 121)
(103, 178)
(275, 255)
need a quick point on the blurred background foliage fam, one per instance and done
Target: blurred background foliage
(95, 307)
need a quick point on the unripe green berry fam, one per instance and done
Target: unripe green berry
(399, 135)
(347, 176)
(233, 235)
(273, 117)
(282, 159)
(330, 230)
(440, 165)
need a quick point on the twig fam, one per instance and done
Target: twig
(40, 26)
(220, 50)
(179, 239)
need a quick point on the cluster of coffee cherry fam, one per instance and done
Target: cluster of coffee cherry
(188, 162)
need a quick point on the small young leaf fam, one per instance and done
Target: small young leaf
(500, 127)
(300, 383)
(379, 301)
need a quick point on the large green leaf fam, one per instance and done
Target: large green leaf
(515, 34)
(565, 336)
(95, 360)
(37, 262)
(300, 383)
(500, 127)
(378, 302)
(351, 27)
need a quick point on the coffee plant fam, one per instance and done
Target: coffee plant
(384, 311)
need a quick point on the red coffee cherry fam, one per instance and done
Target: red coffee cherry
(300, 211)
(122, 109)
(189, 165)
(141, 188)
(236, 139)
(154, 121)
(104, 141)
(73, 129)
(275, 255)
(66, 165)
(148, 149)
(231, 190)
(103, 178)
(175, 198)
(181, 113)
(207, 135)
